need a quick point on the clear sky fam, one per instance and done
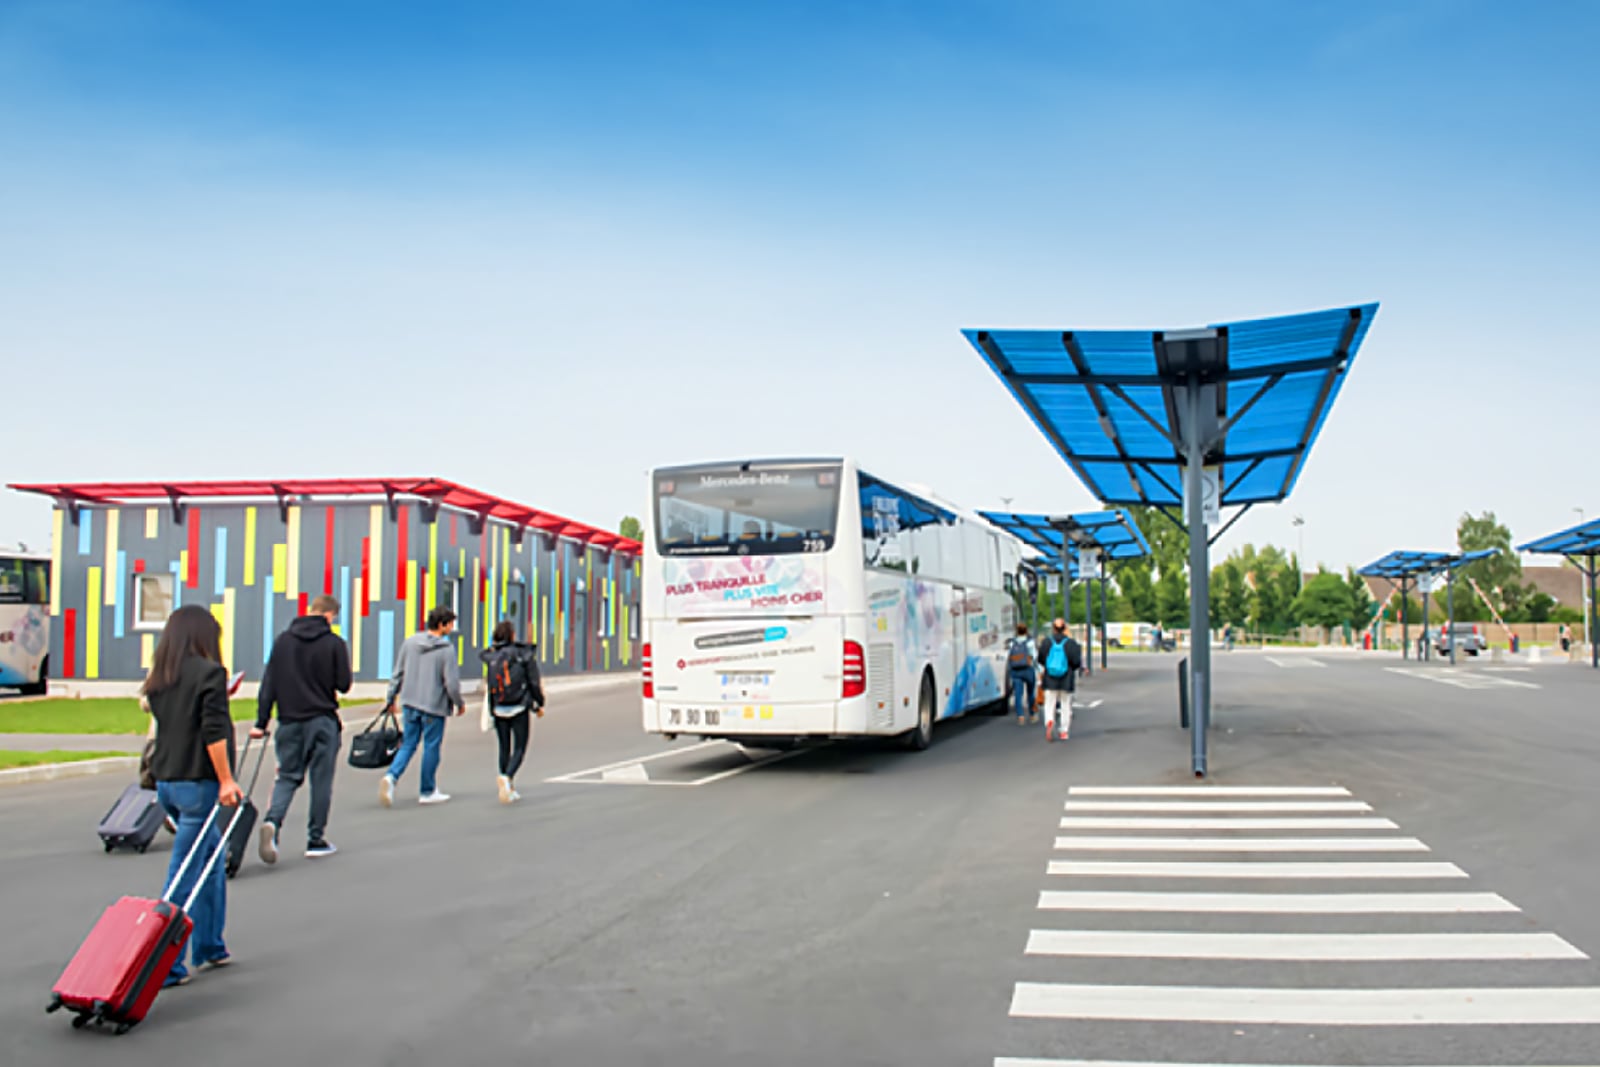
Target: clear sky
(538, 248)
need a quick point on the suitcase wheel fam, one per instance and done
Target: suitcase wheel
(55, 1004)
(79, 1022)
(110, 845)
(122, 1028)
(141, 849)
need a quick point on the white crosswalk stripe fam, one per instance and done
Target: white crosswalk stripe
(1185, 904)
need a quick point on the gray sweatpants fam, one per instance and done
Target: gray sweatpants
(306, 748)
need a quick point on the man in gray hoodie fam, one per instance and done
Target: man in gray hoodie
(427, 682)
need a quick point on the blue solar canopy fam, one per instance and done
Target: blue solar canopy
(1580, 540)
(1111, 401)
(1401, 565)
(1114, 533)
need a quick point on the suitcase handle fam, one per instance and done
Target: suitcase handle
(198, 841)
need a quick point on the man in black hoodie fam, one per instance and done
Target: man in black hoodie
(308, 669)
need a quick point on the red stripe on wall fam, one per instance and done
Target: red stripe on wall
(402, 554)
(305, 602)
(192, 579)
(69, 643)
(138, 566)
(366, 575)
(327, 557)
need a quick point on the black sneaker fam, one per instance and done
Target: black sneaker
(267, 843)
(319, 848)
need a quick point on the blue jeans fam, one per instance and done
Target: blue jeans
(189, 803)
(428, 729)
(1022, 690)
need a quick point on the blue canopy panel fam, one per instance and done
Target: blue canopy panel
(1580, 540)
(1114, 533)
(1401, 564)
(1110, 401)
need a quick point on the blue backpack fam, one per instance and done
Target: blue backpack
(1055, 664)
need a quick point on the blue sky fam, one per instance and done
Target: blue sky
(538, 248)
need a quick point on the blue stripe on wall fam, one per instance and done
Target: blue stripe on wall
(344, 602)
(177, 587)
(385, 645)
(221, 580)
(85, 532)
(267, 598)
(119, 613)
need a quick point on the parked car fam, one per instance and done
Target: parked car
(1467, 636)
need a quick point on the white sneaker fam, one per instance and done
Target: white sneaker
(386, 791)
(515, 796)
(267, 843)
(434, 797)
(505, 789)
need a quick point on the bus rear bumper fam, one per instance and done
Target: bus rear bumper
(738, 722)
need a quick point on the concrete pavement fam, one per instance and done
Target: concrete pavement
(858, 904)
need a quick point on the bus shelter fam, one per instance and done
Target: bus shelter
(1581, 545)
(1189, 422)
(1421, 571)
(1086, 543)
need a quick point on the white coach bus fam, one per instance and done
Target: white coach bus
(786, 600)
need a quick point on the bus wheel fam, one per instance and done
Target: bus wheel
(921, 735)
(42, 686)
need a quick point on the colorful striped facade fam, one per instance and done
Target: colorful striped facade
(257, 565)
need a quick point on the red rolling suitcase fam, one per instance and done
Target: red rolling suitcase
(119, 968)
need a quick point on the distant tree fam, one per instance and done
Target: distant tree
(1325, 601)
(1499, 576)
(1362, 606)
(631, 528)
(1138, 592)
(1566, 614)
(1172, 600)
(1537, 607)
(1233, 594)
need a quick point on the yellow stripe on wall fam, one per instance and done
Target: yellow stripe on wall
(293, 562)
(249, 546)
(91, 625)
(411, 597)
(433, 564)
(375, 548)
(183, 569)
(147, 651)
(505, 567)
(113, 536)
(57, 528)
(152, 523)
(226, 619)
(477, 614)
(280, 569)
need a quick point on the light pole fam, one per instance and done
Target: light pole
(1588, 616)
(1300, 552)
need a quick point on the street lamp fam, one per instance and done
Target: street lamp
(1588, 638)
(1299, 523)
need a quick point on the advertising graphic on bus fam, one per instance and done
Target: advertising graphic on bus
(24, 622)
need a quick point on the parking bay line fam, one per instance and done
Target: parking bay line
(1092, 843)
(1278, 903)
(1201, 807)
(1206, 945)
(1224, 823)
(1245, 869)
(598, 775)
(1551, 1006)
(1209, 790)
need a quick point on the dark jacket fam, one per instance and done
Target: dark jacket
(190, 716)
(308, 669)
(1074, 652)
(529, 663)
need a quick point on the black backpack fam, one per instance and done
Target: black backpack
(1020, 659)
(508, 678)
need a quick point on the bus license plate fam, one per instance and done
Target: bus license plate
(694, 717)
(745, 679)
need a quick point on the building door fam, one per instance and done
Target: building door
(580, 629)
(516, 608)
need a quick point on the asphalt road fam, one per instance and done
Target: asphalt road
(861, 905)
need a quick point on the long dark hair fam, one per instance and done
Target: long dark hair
(504, 633)
(190, 631)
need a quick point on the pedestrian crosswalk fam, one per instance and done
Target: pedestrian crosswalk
(1186, 908)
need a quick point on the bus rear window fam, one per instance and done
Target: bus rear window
(761, 511)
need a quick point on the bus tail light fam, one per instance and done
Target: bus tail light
(855, 669)
(647, 665)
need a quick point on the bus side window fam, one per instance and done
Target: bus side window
(38, 575)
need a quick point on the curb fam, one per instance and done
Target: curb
(49, 772)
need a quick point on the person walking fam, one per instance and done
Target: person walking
(1062, 658)
(427, 683)
(515, 695)
(1021, 665)
(192, 762)
(308, 669)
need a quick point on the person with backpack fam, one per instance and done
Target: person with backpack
(1021, 665)
(426, 683)
(511, 675)
(1062, 658)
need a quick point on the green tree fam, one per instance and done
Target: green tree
(1172, 599)
(1138, 597)
(1232, 593)
(1539, 606)
(1362, 606)
(631, 528)
(1325, 602)
(1500, 575)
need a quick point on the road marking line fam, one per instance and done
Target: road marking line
(1089, 843)
(1013, 1061)
(752, 765)
(1219, 806)
(1281, 903)
(636, 759)
(1093, 703)
(633, 772)
(1150, 944)
(1191, 869)
(1209, 790)
(1463, 679)
(1293, 663)
(1559, 1006)
(1110, 823)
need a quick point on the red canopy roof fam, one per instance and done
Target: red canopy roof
(436, 490)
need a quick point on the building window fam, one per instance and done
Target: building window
(13, 586)
(152, 600)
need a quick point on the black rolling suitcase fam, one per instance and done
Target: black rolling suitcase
(133, 821)
(242, 827)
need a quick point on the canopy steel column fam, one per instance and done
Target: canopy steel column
(1199, 582)
(1450, 610)
(1105, 568)
(1427, 646)
(1405, 620)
